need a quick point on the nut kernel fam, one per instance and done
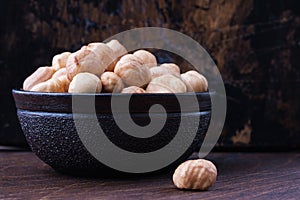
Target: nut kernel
(197, 174)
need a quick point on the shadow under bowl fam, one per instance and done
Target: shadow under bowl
(47, 120)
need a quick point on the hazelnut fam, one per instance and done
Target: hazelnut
(118, 51)
(60, 72)
(60, 60)
(159, 71)
(111, 82)
(166, 84)
(85, 83)
(173, 68)
(133, 89)
(197, 174)
(65, 82)
(84, 60)
(194, 81)
(104, 52)
(147, 58)
(42, 74)
(62, 75)
(51, 85)
(132, 71)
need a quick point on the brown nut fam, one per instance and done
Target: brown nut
(160, 71)
(84, 60)
(132, 71)
(147, 58)
(194, 81)
(62, 75)
(51, 85)
(104, 52)
(197, 174)
(173, 68)
(111, 82)
(42, 74)
(60, 72)
(83, 47)
(94, 58)
(166, 84)
(85, 83)
(118, 51)
(60, 60)
(133, 89)
(65, 82)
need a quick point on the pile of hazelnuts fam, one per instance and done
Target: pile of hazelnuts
(109, 68)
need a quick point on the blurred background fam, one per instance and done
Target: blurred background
(255, 44)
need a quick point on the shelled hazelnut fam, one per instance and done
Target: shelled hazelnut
(147, 58)
(94, 58)
(197, 174)
(59, 61)
(118, 51)
(133, 89)
(173, 68)
(42, 74)
(194, 81)
(51, 85)
(85, 83)
(111, 82)
(132, 71)
(166, 84)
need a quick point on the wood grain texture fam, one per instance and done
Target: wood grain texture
(255, 44)
(240, 176)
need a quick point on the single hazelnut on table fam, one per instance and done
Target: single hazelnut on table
(51, 85)
(60, 60)
(166, 84)
(42, 74)
(85, 83)
(194, 81)
(133, 89)
(197, 174)
(118, 51)
(147, 58)
(132, 71)
(84, 60)
(111, 82)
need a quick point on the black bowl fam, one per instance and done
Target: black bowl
(47, 122)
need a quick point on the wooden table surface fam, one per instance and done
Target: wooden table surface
(240, 176)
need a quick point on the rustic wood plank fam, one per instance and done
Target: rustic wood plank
(241, 175)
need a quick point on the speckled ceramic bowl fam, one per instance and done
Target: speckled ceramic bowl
(47, 122)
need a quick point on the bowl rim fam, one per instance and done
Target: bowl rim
(63, 102)
(25, 92)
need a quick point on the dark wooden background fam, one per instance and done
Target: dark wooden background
(255, 43)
